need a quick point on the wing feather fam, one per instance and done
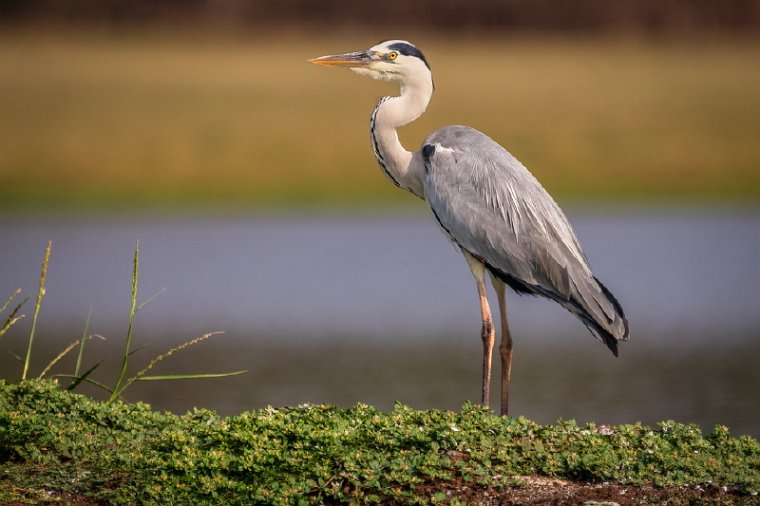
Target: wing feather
(492, 206)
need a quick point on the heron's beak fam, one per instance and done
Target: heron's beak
(358, 59)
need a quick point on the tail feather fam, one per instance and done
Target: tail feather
(596, 329)
(618, 308)
(610, 327)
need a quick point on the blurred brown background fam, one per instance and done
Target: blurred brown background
(584, 16)
(122, 104)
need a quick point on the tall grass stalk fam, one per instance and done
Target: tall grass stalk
(132, 312)
(141, 375)
(10, 299)
(37, 305)
(14, 316)
(62, 354)
(122, 383)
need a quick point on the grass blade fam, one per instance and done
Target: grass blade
(190, 376)
(141, 374)
(82, 341)
(10, 299)
(12, 318)
(58, 358)
(118, 388)
(70, 347)
(87, 380)
(40, 295)
(141, 348)
(76, 380)
(172, 351)
(151, 299)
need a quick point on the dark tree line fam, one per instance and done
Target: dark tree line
(593, 16)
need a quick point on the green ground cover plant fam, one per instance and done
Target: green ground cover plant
(121, 453)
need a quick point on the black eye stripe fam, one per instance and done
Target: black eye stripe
(409, 50)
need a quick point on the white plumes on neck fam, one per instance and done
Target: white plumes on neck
(395, 112)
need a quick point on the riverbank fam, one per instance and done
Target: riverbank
(54, 444)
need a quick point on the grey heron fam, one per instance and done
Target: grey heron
(487, 203)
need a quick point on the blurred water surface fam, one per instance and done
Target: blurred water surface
(378, 309)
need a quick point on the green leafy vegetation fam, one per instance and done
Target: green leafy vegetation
(52, 439)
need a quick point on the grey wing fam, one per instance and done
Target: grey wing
(490, 205)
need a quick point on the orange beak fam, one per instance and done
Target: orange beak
(358, 59)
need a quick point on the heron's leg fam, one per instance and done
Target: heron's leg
(505, 348)
(487, 332)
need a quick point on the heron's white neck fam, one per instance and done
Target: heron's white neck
(390, 114)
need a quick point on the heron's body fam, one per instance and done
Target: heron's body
(493, 208)
(487, 203)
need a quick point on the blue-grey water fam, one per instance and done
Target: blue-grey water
(378, 309)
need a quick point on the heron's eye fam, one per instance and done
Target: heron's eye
(392, 55)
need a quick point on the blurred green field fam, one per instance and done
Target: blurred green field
(139, 121)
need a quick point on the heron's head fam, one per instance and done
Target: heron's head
(392, 60)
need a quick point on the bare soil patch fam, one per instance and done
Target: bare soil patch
(535, 490)
(544, 490)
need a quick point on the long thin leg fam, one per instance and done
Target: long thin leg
(505, 348)
(487, 332)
